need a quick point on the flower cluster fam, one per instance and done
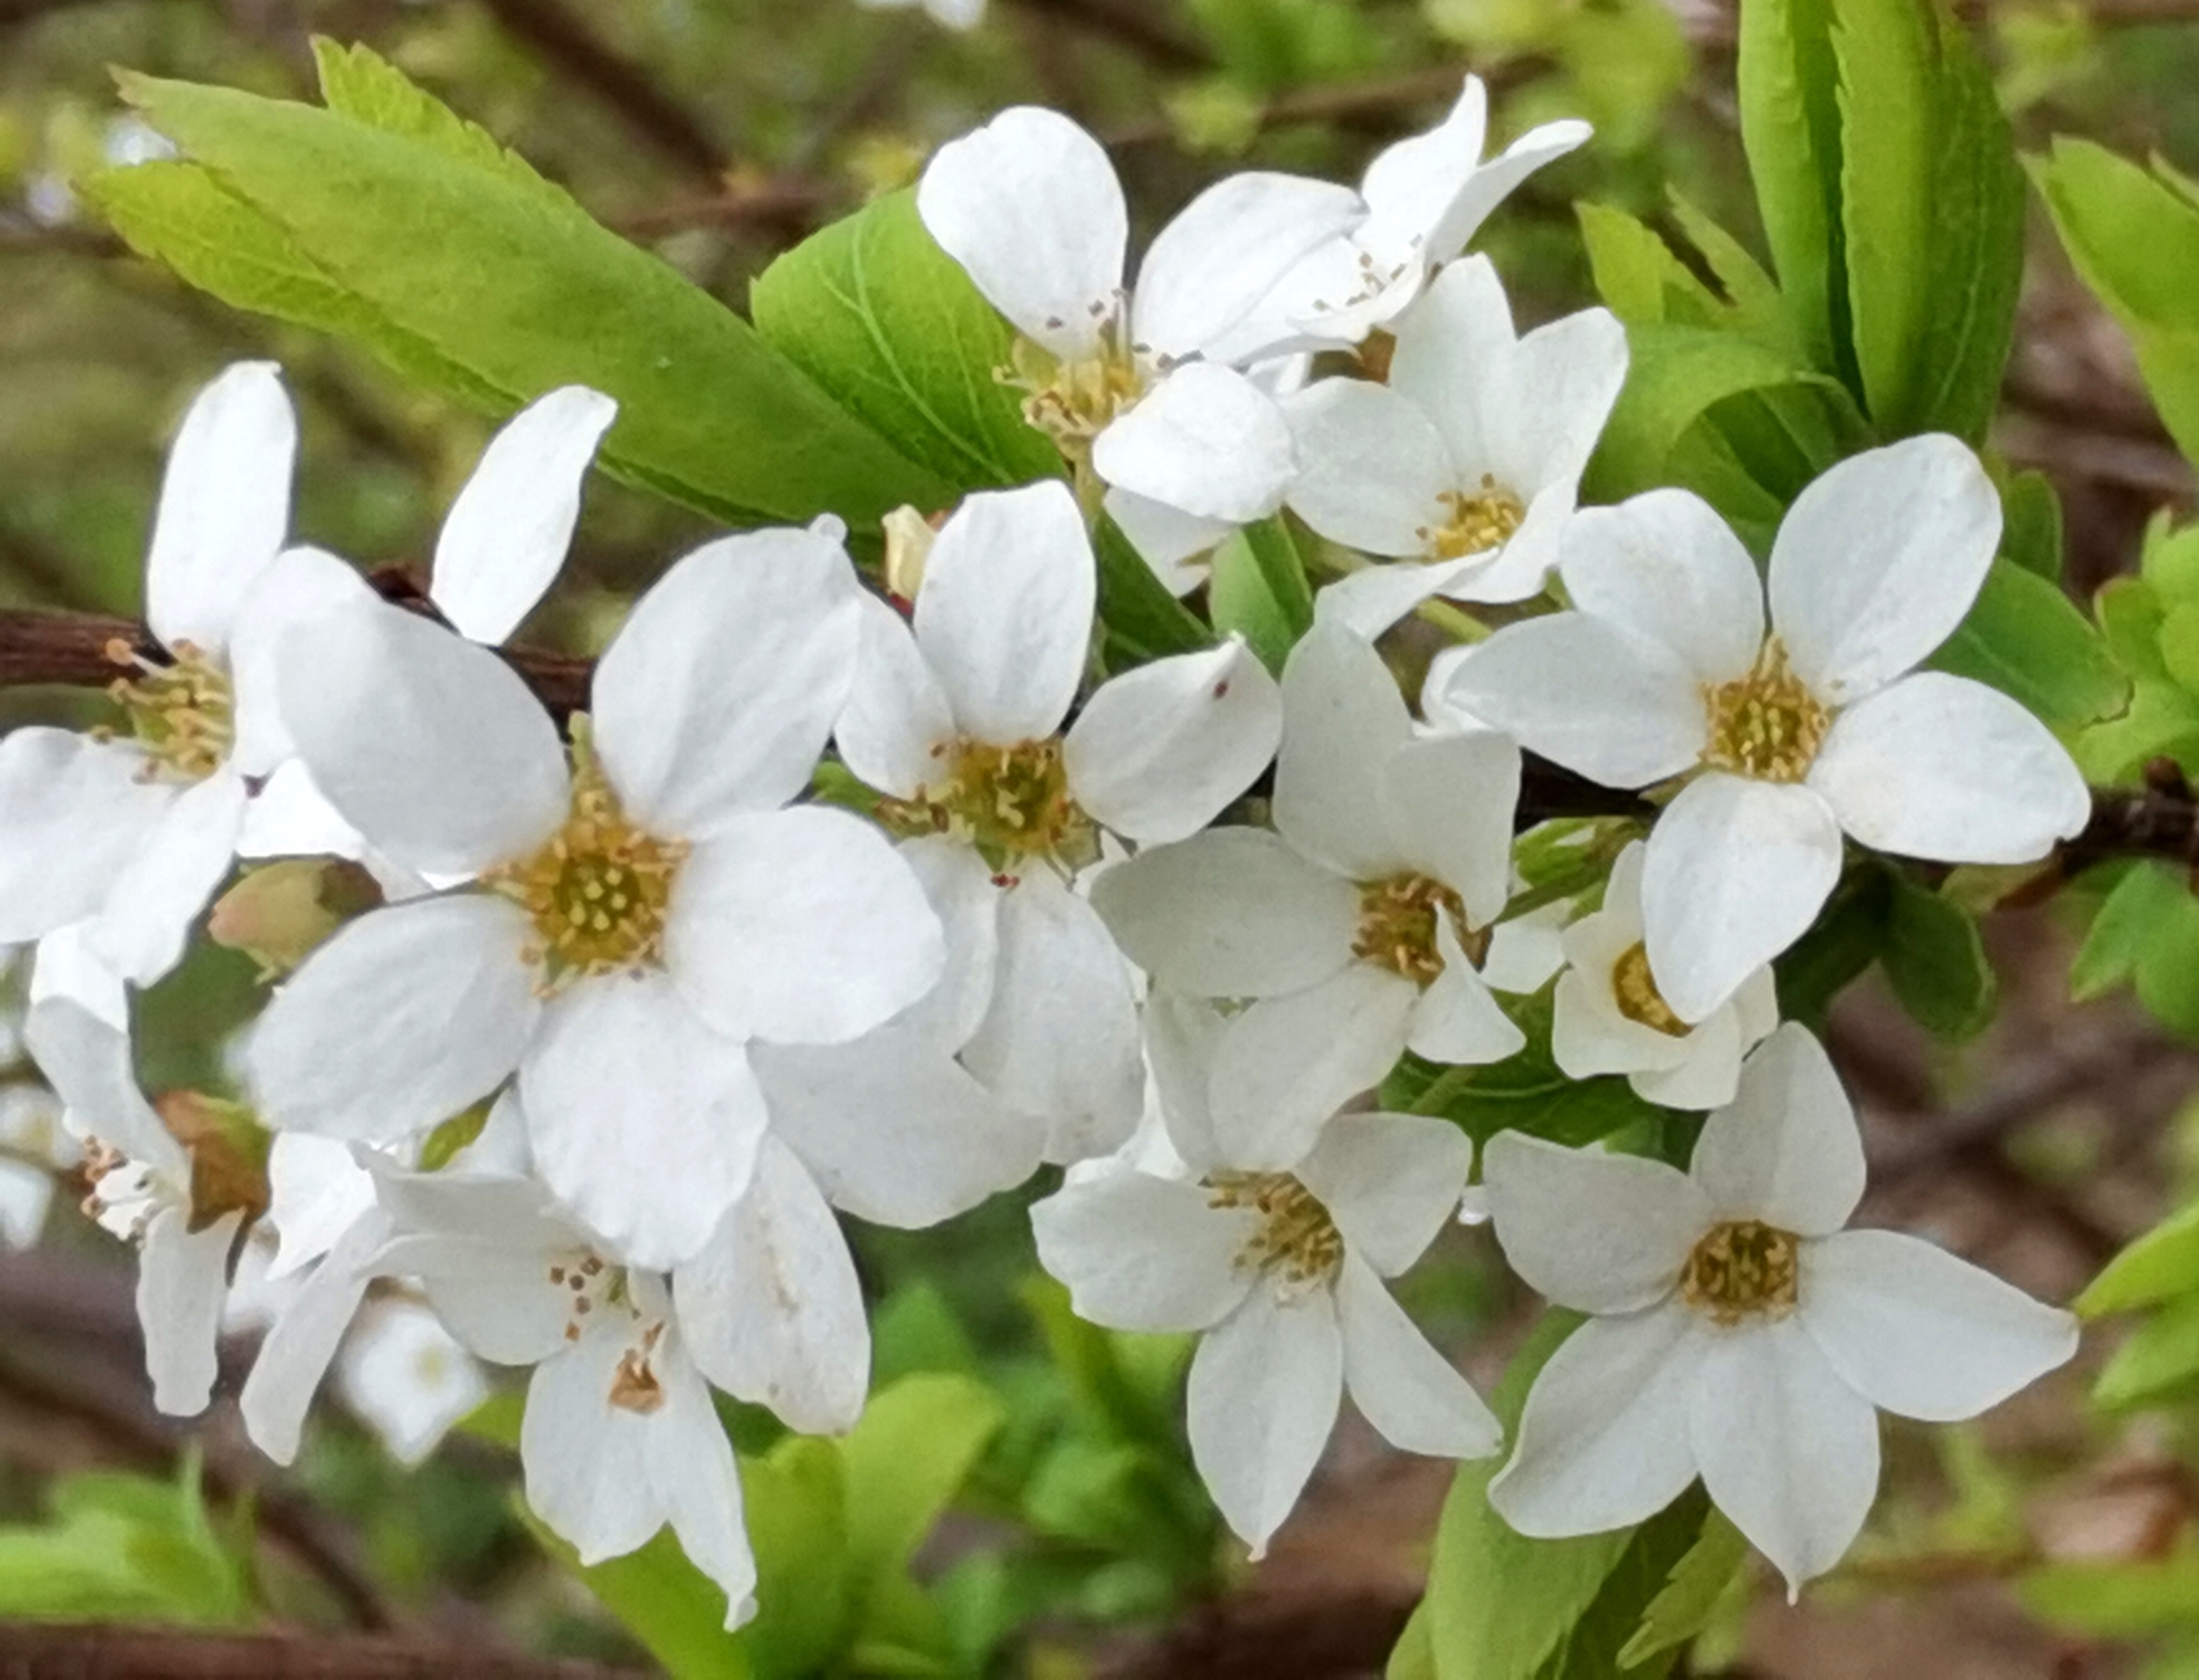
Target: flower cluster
(840, 901)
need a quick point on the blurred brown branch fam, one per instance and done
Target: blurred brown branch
(1127, 25)
(147, 1654)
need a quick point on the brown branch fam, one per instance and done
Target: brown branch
(167, 1654)
(1126, 27)
(571, 46)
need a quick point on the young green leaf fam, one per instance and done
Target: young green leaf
(1683, 1607)
(1259, 590)
(1143, 621)
(1935, 962)
(2026, 639)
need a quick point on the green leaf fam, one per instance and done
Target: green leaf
(2031, 534)
(915, 1447)
(1683, 1607)
(358, 84)
(2116, 1600)
(2025, 638)
(889, 325)
(1143, 621)
(676, 1611)
(2160, 1359)
(1846, 939)
(1259, 590)
(1790, 129)
(1525, 1093)
(2159, 1266)
(491, 287)
(797, 1512)
(1639, 276)
(1935, 960)
(1415, 1659)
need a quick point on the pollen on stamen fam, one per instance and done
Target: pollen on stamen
(1296, 1245)
(183, 714)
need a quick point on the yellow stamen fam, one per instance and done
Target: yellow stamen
(1397, 926)
(1296, 1243)
(1635, 989)
(1766, 725)
(1743, 1269)
(183, 713)
(1478, 522)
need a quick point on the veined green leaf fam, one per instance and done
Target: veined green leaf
(1790, 128)
(1935, 962)
(1690, 1595)
(2026, 639)
(1143, 620)
(1259, 590)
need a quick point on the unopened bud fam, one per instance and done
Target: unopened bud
(279, 914)
(909, 538)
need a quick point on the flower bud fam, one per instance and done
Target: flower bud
(280, 912)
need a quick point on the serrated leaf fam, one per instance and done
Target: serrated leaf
(1882, 53)
(1640, 277)
(2027, 638)
(358, 83)
(1790, 129)
(1683, 1606)
(2159, 1266)
(492, 291)
(888, 325)
(1935, 960)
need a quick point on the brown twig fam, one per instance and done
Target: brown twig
(571, 46)
(169, 1654)
(1126, 27)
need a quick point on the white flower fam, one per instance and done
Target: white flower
(1468, 462)
(1280, 1265)
(1789, 738)
(141, 1191)
(409, 1378)
(959, 720)
(1128, 383)
(33, 1132)
(643, 916)
(131, 834)
(1356, 926)
(1426, 198)
(1739, 1332)
(1609, 1017)
(949, 14)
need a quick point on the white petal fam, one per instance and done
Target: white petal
(1029, 205)
(1265, 1387)
(771, 1309)
(698, 1483)
(304, 1339)
(1287, 1063)
(801, 926)
(141, 928)
(1370, 601)
(1786, 1149)
(1450, 802)
(1603, 1442)
(1579, 690)
(1521, 568)
(224, 505)
(73, 812)
(1450, 346)
(1061, 1039)
(1546, 407)
(302, 584)
(958, 885)
(643, 1121)
(88, 1064)
(1232, 912)
(1144, 1253)
(1205, 440)
(1391, 1181)
(1372, 467)
(430, 746)
(316, 1191)
(507, 535)
(1403, 1386)
(1181, 1035)
(1921, 1334)
(1736, 872)
(1159, 750)
(1343, 721)
(1707, 1075)
(1666, 567)
(1590, 1230)
(1410, 185)
(1494, 181)
(896, 1130)
(1225, 251)
(1941, 768)
(406, 1017)
(1172, 542)
(290, 817)
(895, 730)
(1004, 614)
(717, 695)
(586, 1460)
(182, 1276)
(1788, 1450)
(64, 965)
(1879, 560)
(1455, 1019)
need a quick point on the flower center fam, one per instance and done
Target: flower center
(1397, 926)
(1742, 1269)
(597, 893)
(1479, 522)
(1635, 989)
(634, 1387)
(1296, 1243)
(1012, 803)
(183, 713)
(1766, 725)
(1073, 402)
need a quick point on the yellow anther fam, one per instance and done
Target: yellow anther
(1635, 989)
(1743, 1269)
(1397, 926)
(1766, 725)
(1296, 1243)
(183, 713)
(1479, 522)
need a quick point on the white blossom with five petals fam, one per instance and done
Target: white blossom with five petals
(1788, 735)
(1737, 1332)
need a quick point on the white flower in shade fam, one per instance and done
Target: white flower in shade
(957, 718)
(1426, 198)
(1128, 383)
(38, 1147)
(1467, 464)
(409, 1378)
(1788, 735)
(637, 918)
(130, 832)
(1609, 1017)
(1361, 927)
(1738, 1332)
(1279, 1263)
(144, 1184)
(948, 14)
